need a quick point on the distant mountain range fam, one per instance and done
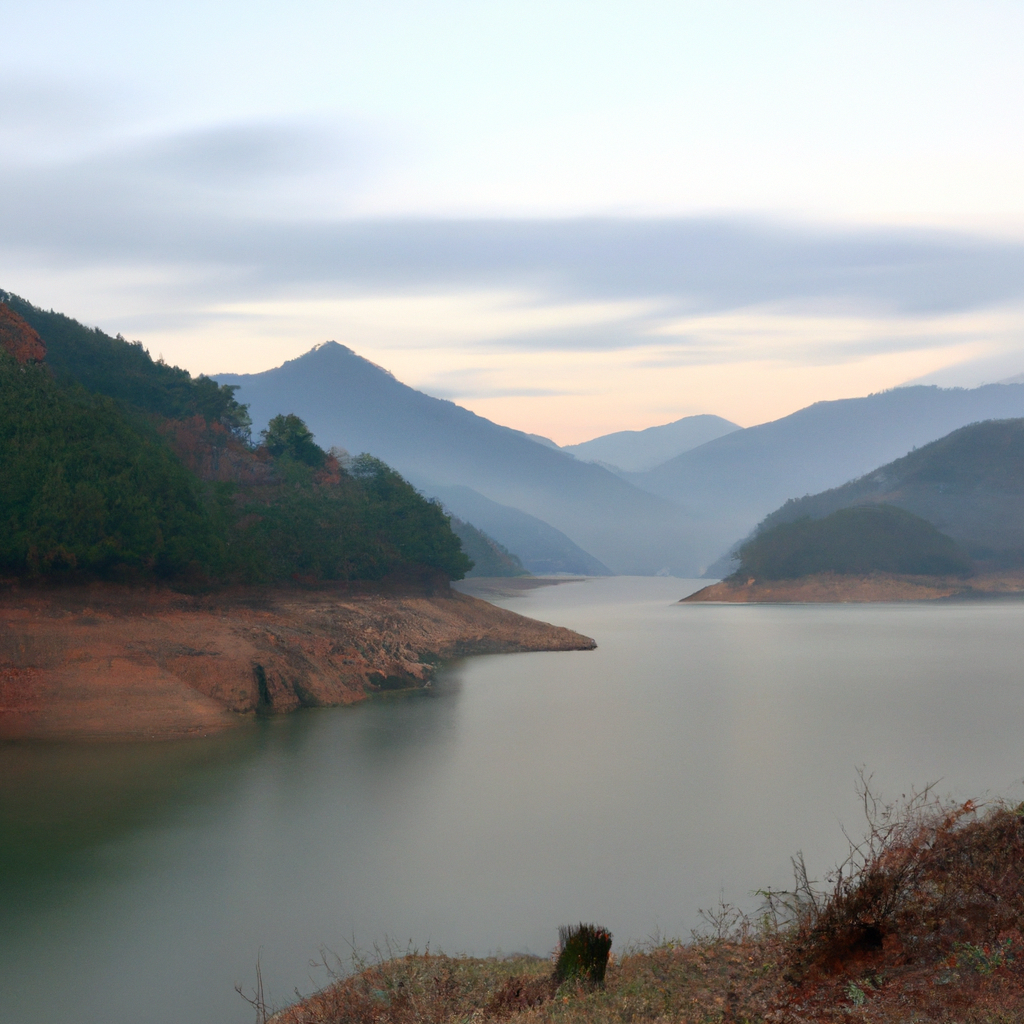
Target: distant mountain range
(548, 551)
(350, 402)
(730, 484)
(969, 485)
(557, 512)
(636, 451)
(489, 557)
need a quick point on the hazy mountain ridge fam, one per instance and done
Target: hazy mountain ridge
(636, 451)
(544, 550)
(578, 517)
(489, 557)
(731, 483)
(348, 401)
(968, 484)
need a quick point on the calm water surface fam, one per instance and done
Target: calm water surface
(688, 757)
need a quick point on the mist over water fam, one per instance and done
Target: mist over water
(689, 756)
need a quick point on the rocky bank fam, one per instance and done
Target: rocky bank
(111, 662)
(831, 588)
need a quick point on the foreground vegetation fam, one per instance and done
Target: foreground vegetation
(923, 922)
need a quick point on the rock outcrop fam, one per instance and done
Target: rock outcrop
(114, 662)
(19, 339)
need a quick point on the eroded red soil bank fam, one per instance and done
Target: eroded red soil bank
(115, 662)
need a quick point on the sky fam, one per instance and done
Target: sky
(570, 217)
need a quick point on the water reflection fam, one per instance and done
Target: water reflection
(59, 802)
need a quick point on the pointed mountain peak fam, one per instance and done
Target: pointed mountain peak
(334, 352)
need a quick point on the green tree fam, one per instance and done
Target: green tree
(289, 436)
(85, 488)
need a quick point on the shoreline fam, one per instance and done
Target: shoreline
(877, 588)
(109, 662)
(488, 587)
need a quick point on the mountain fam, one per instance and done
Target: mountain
(124, 370)
(969, 485)
(96, 481)
(852, 541)
(730, 484)
(541, 439)
(543, 549)
(638, 450)
(489, 557)
(350, 402)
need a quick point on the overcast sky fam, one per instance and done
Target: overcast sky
(570, 217)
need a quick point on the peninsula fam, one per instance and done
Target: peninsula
(164, 574)
(111, 662)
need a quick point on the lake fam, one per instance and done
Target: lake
(683, 761)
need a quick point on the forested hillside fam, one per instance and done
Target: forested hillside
(852, 541)
(489, 557)
(114, 465)
(968, 484)
(124, 370)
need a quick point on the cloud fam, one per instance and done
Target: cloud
(220, 199)
(477, 382)
(35, 107)
(603, 337)
(199, 226)
(230, 155)
(189, 198)
(470, 392)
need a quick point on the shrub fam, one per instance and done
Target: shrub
(932, 888)
(582, 953)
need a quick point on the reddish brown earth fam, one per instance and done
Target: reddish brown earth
(104, 661)
(19, 339)
(826, 588)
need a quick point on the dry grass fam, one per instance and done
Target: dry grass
(922, 923)
(711, 981)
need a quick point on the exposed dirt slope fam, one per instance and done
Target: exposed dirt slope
(112, 662)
